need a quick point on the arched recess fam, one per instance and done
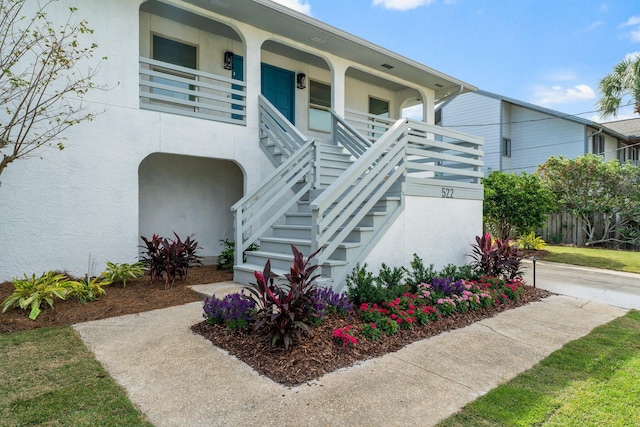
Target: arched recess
(189, 195)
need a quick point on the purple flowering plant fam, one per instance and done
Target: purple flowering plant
(234, 310)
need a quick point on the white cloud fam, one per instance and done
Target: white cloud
(631, 22)
(632, 56)
(595, 25)
(401, 4)
(298, 5)
(553, 95)
(634, 33)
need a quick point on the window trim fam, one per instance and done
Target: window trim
(599, 140)
(506, 147)
(318, 107)
(173, 72)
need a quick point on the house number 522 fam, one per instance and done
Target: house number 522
(447, 193)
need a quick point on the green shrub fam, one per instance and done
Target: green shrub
(530, 242)
(362, 286)
(88, 289)
(226, 259)
(31, 292)
(419, 273)
(116, 273)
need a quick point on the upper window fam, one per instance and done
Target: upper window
(506, 147)
(378, 107)
(176, 53)
(597, 144)
(319, 105)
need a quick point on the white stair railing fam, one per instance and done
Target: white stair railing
(347, 136)
(256, 212)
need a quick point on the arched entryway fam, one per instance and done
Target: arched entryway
(189, 195)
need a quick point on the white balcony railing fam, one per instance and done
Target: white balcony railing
(173, 89)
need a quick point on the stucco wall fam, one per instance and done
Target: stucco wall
(440, 231)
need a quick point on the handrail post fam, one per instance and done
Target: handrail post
(316, 165)
(238, 258)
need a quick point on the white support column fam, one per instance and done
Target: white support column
(428, 107)
(252, 61)
(338, 86)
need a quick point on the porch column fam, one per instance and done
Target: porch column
(338, 88)
(253, 45)
(428, 107)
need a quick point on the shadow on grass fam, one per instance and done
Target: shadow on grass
(533, 396)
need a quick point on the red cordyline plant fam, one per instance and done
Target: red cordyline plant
(169, 258)
(285, 309)
(496, 258)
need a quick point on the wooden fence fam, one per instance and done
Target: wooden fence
(566, 228)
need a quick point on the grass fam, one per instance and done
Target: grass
(50, 378)
(592, 381)
(628, 261)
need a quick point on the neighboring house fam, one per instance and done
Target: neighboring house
(631, 129)
(249, 121)
(520, 136)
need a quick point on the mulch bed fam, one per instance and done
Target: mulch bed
(317, 354)
(139, 295)
(312, 357)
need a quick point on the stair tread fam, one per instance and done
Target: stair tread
(305, 241)
(281, 256)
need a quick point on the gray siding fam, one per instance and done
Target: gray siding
(537, 136)
(470, 109)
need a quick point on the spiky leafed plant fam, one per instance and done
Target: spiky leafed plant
(285, 309)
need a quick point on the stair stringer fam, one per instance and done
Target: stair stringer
(338, 283)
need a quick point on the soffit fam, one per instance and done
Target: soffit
(287, 23)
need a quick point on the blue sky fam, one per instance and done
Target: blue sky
(551, 53)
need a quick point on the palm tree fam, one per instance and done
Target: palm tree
(624, 80)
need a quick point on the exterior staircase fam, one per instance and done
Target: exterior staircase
(296, 227)
(340, 195)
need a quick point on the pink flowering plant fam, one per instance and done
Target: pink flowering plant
(344, 336)
(385, 305)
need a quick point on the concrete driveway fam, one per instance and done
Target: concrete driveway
(614, 288)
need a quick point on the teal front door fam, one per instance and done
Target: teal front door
(237, 73)
(278, 87)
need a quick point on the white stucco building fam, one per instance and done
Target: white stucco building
(247, 103)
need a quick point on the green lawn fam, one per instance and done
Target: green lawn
(592, 257)
(48, 377)
(593, 381)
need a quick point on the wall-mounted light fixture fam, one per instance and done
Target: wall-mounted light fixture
(228, 60)
(301, 81)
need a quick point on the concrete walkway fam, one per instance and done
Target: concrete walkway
(178, 378)
(595, 284)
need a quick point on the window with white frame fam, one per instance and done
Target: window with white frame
(506, 147)
(633, 154)
(597, 144)
(319, 105)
